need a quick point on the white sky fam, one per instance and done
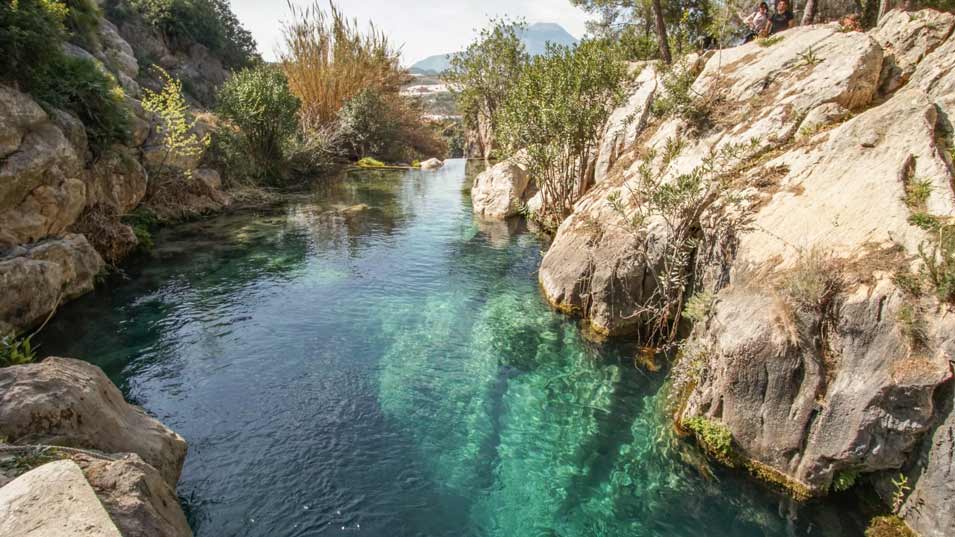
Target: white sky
(424, 27)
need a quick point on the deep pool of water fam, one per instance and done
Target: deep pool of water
(370, 360)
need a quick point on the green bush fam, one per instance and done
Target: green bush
(209, 22)
(32, 33)
(556, 112)
(82, 20)
(260, 105)
(368, 127)
(845, 480)
(16, 351)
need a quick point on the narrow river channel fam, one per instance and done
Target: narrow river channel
(370, 360)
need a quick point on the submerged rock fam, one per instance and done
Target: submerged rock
(65, 402)
(53, 500)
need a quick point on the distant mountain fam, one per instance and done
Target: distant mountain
(535, 38)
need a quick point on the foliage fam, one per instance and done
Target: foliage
(814, 281)
(912, 324)
(692, 210)
(679, 99)
(79, 86)
(699, 306)
(315, 153)
(902, 488)
(328, 60)
(554, 115)
(32, 33)
(16, 351)
(888, 526)
(845, 480)
(714, 436)
(387, 126)
(767, 42)
(82, 20)
(209, 22)
(481, 78)
(938, 262)
(259, 103)
(169, 106)
(917, 192)
(369, 162)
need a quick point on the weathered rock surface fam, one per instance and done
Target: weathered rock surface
(928, 507)
(808, 393)
(117, 179)
(499, 192)
(36, 279)
(138, 500)
(71, 403)
(627, 121)
(907, 38)
(431, 164)
(53, 500)
(604, 273)
(41, 191)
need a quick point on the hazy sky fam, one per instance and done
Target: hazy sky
(424, 27)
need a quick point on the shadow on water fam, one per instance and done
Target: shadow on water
(369, 358)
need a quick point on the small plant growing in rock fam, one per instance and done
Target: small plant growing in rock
(178, 139)
(845, 480)
(713, 436)
(699, 306)
(16, 351)
(902, 488)
(938, 262)
(808, 58)
(888, 526)
(917, 192)
(769, 41)
(814, 281)
(912, 325)
(679, 99)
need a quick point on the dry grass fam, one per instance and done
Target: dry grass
(328, 59)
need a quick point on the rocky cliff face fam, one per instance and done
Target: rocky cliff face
(57, 197)
(815, 343)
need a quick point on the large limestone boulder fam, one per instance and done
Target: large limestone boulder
(138, 500)
(71, 403)
(907, 38)
(627, 121)
(499, 192)
(928, 507)
(431, 164)
(117, 179)
(41, 190)
(600, 268)
(53, 500)
(36, 279)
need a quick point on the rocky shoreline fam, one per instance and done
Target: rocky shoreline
(812, 350)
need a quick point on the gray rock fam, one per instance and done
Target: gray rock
(499, 192)
(137, 499)
(907, 38)
(431, 164)
(36, 279)
(53, 500)
(118, 180)
(70, 403)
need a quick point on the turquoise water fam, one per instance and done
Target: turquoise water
(369, 360)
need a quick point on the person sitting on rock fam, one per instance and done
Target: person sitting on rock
(783, 19)
(757, 22)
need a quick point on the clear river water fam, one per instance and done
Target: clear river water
(370, 360)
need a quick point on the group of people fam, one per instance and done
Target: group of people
(761, 24)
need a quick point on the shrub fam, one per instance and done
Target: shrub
(888, 526)
(369, 162)
(32, 33)
(258, 102)
(938, 262)
(386, 126)
(81, 87)
(715, 437)
(208, 22)
(679, 99)
(483, 75)
(328, 60)
(82, 20)
(178, 139)
(555, 113)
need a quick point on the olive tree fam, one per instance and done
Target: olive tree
(482, 76)
(553, 118)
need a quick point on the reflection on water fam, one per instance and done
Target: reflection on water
(373, 360)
